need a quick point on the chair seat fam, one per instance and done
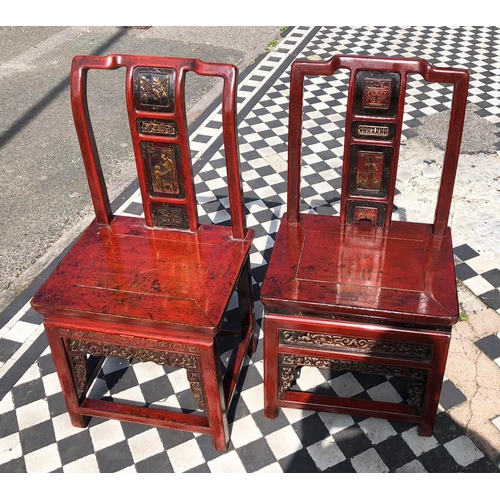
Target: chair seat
(142, 276)
(402, 273)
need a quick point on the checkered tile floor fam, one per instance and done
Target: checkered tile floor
(35, 432)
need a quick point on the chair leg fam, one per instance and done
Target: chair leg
(271, 408)
(214, 396)
(69, 378)
(433, 389)
(245, 300)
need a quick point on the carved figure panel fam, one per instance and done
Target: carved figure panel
(154, 89)
(369, 169)
(163, 166)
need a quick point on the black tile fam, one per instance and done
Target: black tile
(75, 447)
(490, 345)
(438, 460)
(395, 452)
(200, 469)
(298, 462)
(37, 436)
(134, 208)
(492, 276)
(310, 430)
(131, 429)
(256, 455)
(114, 458)
(269, 425)
(450, 395)
(8, 424)
(14, 466)
(352, 441)
(46, 365)
(464, 272)
(483, 465)
(7, 349)
(31, 316)
(465, 252)
(28, 392)
(206, 445)
(57, 405)
(341, 468)
(173, 437)
(446, 429)
(156, 464)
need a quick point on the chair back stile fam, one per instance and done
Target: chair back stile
(390, 119)
(155, 101)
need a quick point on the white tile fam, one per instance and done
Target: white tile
(63, 427)
(145, 445)
(478, 285)
(419, 444)
(6, 403)
(147, 371)
(284, 442)
(85, 465)
(309, 378)
(179, 381)
(294, 415)
(106, 434)
(274, 468)
(412, 467)
(44, 460)
(377, 430)
(346, 385)
(463, 450)
(51, 384)
(254, 398)
(336, 422)
(385, 392)
(244, 431)
(32, 414)
(10, 448)
(185, 456)
(369, 462)
(21, 331)
(326, 453)
(227, 463)
(495, 421)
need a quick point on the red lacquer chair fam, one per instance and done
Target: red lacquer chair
(357, 291)
(154, 289)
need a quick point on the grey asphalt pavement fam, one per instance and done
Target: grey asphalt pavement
(44, 199)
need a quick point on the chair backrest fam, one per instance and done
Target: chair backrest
(374, 118)
(155, 95)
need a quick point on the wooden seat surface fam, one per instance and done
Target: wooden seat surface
(142, 275)
(401, 273)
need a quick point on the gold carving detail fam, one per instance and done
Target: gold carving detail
(373, 130)
(341, 342)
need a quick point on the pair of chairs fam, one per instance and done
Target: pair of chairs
(350, 292)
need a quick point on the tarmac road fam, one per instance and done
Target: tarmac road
(44, 199)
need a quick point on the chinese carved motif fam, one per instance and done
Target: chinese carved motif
(170, 216)
(154, 89)
(376, 93)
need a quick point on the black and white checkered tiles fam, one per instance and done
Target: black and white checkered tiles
(35, 432)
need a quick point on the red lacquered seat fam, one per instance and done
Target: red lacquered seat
(155, 288)
(358, 291)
